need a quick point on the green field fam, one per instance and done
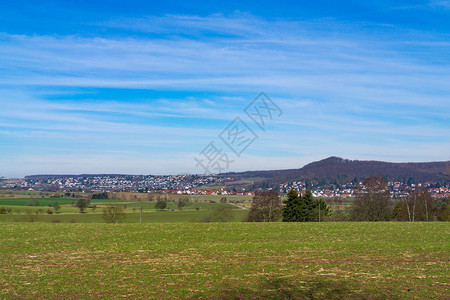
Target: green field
(225, 261)
(211, 187)
(175, 216)
(44, 201)
(18, 209)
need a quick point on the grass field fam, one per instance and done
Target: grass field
(44, 201)
(211, 187)
(228, 261)
(192, 212)
(147, 217)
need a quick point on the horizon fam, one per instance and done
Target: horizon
(145, 88)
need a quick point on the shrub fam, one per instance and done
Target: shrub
(113, 214)
(3, 211)
(337, 216)
(56, 207)
(82, 204)
(220, 214)
(33, 202)
(103, 195)
(30, 216)
(181, 204)
(161, 204)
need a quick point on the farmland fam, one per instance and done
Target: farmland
(175, 254)
(196, 208)
(228, 260)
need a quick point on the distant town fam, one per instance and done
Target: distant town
(197, 184)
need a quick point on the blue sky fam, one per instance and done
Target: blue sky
(142, 87)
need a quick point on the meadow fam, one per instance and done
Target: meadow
(197, 208)
(225, 260)
(167, 216)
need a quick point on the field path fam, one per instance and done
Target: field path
(240, 206)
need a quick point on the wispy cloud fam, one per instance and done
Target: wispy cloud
(336, 82)
(440, 3)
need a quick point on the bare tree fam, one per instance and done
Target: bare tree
(373, 201)
(410, 203)
(266, 207)
(419, 205)
(140, 210)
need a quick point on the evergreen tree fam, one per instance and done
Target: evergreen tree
(303, 208)
(293, 210)
(308, 206)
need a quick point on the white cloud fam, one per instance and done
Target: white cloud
(337, 88)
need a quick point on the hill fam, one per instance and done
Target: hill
(338, 170)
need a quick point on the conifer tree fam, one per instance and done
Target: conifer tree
(293, 209)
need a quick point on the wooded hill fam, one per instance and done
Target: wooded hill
(336, 170)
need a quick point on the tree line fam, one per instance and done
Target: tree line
(373, 202)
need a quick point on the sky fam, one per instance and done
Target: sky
(149, 87)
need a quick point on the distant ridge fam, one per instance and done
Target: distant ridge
(330, 170)
(336, 169)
